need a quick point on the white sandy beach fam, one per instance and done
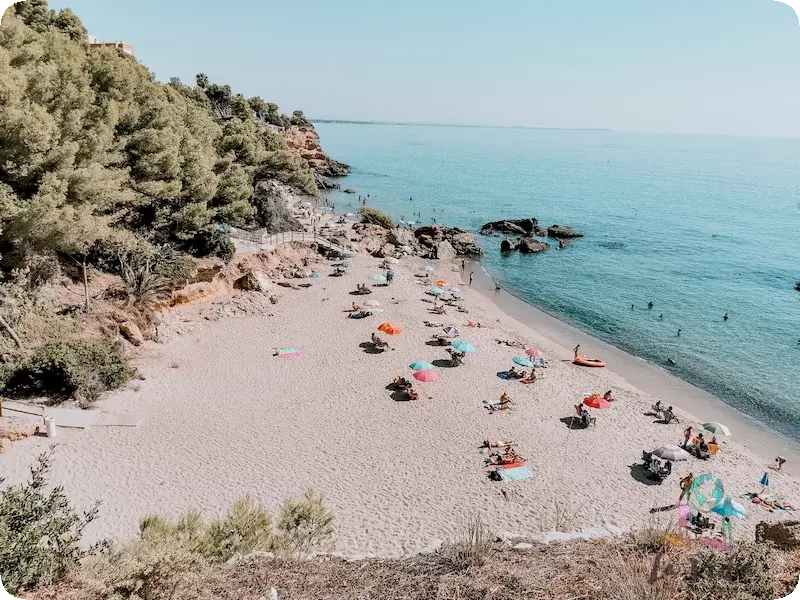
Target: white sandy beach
(222, 418)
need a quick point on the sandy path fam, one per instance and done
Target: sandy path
(231, 420)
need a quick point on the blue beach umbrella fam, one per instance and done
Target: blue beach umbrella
(420, 365)
(730, 508)
(524, 362)
(435, 291)
(463, 346)
(315, 276)
(765, 480)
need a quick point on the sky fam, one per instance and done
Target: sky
(727, 67)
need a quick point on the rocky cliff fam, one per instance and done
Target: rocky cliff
(305, 142)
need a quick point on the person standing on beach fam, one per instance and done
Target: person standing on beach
(470, 276)
(686, 486)
(497, 285)
(687, 433)
(463, 264)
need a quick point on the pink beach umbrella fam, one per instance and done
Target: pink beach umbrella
(426, 376)
(533, 352)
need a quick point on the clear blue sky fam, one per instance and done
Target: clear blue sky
(695, 66)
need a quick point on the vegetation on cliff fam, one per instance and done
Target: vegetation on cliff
(105, 170)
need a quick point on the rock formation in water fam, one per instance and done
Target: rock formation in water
(557, 231)
(431, 241)
(529, 245)
(527, 228)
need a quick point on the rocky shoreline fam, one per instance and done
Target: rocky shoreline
(526, 232)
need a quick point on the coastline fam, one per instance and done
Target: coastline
(697, 404)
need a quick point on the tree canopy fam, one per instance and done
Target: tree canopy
(93, 149)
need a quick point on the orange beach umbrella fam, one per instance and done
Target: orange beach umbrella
(390, 329)
(441, 283)
(596, 402)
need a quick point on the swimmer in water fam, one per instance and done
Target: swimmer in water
(725, 318)
(660, 316)
(633, 307)
(679, 333)
(650, 305)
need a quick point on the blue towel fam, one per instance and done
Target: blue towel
(504, 375)
(515, 474)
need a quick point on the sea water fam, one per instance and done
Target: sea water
(701, 226)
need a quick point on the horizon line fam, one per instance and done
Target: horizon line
(542, 128)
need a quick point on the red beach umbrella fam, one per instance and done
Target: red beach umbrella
(596, 402)
(426, 376)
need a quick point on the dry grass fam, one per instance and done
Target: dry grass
(475, 546)
(617, 569)
(562, 519)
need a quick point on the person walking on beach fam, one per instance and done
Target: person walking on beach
(686, 486)
(470, 276)
(463, 264)
(497, 285)
(687, 433)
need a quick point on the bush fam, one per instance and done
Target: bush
(40, 532)
(141, 285)
(475, 545)
(76, 369)
(375, 217)
(247, 528)
(720, 574)
(304, 526)
(212, 243)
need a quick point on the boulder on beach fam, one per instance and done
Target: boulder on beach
(253, 281)
(131, 332)
(445, 251)
(531, 245)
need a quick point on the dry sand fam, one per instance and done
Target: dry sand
(222, 418)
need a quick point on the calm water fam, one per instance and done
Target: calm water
(700, 226)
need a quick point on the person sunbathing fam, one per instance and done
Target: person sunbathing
(412, 394)
(514, 374)
(438, 310)
(607, 396)
(378, 342)
(402, 383)
(530, 378)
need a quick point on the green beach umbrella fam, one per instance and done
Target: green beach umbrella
(377, 277)
(463, 346)
(524, 362)
(420, 365)
(716, 428)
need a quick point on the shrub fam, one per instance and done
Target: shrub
(40, 531)
(174, 267)
(247, 528)
(76, 369)
(375, 217)
(721, 574)
(141, 285)
(304, 526)
(212, 243)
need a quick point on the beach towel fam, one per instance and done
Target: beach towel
(515, 473)
(504, 375)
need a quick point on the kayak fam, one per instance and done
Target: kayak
(589, 362)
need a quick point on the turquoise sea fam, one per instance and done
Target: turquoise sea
(699, 225)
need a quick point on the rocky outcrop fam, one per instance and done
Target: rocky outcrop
(349, 191)
(563, 243)
(524, 227)
(305, 141)
(431, 241)
(531, 245)
(324, 183)
(557, 231)
(131, 332)
(508, 245)
(528, 228)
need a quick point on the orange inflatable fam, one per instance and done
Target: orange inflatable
(588, 362)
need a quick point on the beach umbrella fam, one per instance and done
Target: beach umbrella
(673, 453)
(372, 303)
(463, 346)
(428, 268)
(730, 508)
(315, 275)
(435, 291)
(426, 376)
(765, 480)
(441, 283)
(717, 428)
(391, 260)
(390, 329)
(288, 353)
(596, 402)
(452, 331)
(452, 289)
(378, 277)
(349, 215)
(420, 365)
(523, 362)
(533, 352)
